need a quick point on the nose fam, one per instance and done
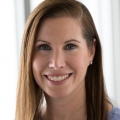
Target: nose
(57, 60)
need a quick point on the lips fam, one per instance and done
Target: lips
(57, 78)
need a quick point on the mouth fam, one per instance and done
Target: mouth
(58, 77)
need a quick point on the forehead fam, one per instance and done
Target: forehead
(59, 27)
(59, 21)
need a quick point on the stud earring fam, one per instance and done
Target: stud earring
(91, 62)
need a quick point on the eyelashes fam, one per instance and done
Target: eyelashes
(70, 47)
(48, 48)
(44, 47)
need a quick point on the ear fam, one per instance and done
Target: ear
(92, 50)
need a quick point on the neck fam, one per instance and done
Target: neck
(72, 107)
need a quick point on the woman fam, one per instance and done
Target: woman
(61, 61)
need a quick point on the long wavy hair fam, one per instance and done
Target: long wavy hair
(29, 94)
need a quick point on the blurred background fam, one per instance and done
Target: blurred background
(13, 16)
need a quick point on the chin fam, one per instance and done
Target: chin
(58, 95)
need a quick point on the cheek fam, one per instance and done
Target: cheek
(78, 61)
(38, 66)
(38, 63)
(79, 65)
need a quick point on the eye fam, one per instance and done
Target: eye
(70, 47)
(44, 47)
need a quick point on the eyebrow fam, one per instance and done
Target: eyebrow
(42, 41)
(65, 42)
(72, 40)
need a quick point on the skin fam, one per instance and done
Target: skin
(60, 49)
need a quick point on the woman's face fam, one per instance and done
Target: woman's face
(61, 57)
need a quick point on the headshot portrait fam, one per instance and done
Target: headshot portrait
(61, 74)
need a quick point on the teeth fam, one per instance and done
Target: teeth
(59, 78)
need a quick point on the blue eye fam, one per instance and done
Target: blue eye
(70, 47)
(44, 47)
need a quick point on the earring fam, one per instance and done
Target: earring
(91, 62)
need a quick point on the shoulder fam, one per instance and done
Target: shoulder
(114, 114)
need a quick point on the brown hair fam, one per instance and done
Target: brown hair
(30, 96)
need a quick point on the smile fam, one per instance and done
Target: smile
(58, 78)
